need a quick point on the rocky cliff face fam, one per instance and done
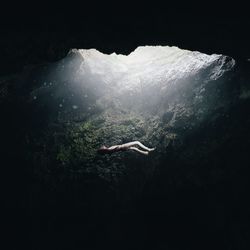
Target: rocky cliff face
(191, 106)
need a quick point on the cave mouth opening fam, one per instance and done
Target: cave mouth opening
(144, 67)
(147, 80)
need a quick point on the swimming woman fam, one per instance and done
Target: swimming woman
(124, 147)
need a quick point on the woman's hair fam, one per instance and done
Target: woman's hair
(102, 150)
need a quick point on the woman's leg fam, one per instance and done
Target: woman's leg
(130, 144)
(113, 147)
(144, 147)
(138, 150)
(137, 143)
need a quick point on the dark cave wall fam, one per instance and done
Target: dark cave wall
(30, 46)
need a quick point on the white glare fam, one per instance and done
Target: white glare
(146, 66)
